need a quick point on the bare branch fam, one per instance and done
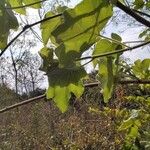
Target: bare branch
(89, 85)
(22, 103)
(130, 12)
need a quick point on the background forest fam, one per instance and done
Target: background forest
(74, 75)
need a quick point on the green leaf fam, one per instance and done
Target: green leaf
(63, 81)
(81, 27)
(147, 4)
(106, 77)
(26, 2)
(107, 67)
(8, 21)
(138, 4)
(126, 124)
(17, 3)
(116, 37)
(61, 97)
(137, 123)
(145, 34)
(48, 26)
(133, 132)
(47, 56)
(141, 69)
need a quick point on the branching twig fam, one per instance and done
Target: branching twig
(130, 12)
(25, 28)
(113, 52)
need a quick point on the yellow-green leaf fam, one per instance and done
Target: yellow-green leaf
(81, 27)
(17, 3)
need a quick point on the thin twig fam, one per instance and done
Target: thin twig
(133, 42)
(115, 41)
(36, 35)
(130, 12)
(25, 28)
(87, 63)
(113, 52)
(141, 13)
(11, 42)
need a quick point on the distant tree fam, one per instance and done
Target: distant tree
(29, 76)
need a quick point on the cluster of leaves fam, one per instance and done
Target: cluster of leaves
(72, 34)
(141, 70)
(134, 121)
(143, 5)
(9, 19)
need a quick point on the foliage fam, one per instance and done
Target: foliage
(69, 32)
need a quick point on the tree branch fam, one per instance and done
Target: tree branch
(22, 103)
(130, 12)
(88, 85)
(113, 52)
(25, 28)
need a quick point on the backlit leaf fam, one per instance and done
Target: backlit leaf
(48, 26)
(26, 2)
(107, 67)
(17, 3)
(63, 81)
(8, 21)
(81, 26)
